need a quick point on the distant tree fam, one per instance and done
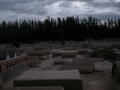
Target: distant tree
(70, 28)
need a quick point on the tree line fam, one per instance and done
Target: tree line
(70, 28)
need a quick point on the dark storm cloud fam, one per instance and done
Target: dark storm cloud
(40, 9)
(22, 6)
(108, 3)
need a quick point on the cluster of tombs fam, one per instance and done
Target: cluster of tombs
(59, 65)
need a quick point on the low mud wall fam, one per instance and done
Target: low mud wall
(12, 67)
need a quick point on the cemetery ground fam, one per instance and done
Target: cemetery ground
(91, 81)
(99, 79)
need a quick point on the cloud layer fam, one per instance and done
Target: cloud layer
(40, 9)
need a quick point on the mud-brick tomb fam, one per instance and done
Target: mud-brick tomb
(68, 79)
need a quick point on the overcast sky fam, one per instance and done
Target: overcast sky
(41, 9)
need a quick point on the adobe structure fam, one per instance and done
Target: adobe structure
(116, 71)
(69, 79)
(13, 64)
